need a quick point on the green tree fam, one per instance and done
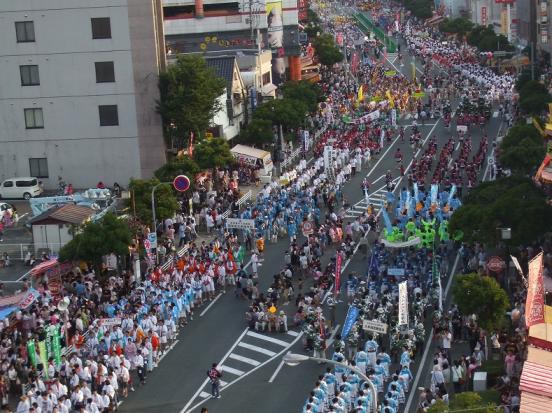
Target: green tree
(188, 96)
(213, 153)
(482, 296)
(258, 132)
(422, 9)
(512, 202)
(327, 51)
(534, 97)
(165, 200)
(459, 26)
(307, 92)
(290, 113)
(522, 149)
(312, 28)
(185, 166)
(97, 239)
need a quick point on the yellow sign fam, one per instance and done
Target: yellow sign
(504, 22)
(208, 135)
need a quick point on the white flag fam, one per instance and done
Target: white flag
(403, 304)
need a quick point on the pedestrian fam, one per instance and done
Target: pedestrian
(214, 375)
(204, 410)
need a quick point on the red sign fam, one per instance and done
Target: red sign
(338, 262)
(308, 228)
(496, 264)
(181, 183)
(302, 8)
(534, 305)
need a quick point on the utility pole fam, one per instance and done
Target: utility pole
(533, 34)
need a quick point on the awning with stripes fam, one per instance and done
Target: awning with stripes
(536, 378)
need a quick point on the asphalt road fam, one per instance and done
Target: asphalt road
(250, 361)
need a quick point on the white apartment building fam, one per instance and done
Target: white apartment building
(78, 90)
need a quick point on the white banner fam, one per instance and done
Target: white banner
(109, 322)
(403, 244)
(393, 117)
(403, 304)
(375, 326)
(462, 128)
(240, 223)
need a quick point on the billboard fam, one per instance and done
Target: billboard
(275, 38)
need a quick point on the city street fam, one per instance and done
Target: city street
(254, 377)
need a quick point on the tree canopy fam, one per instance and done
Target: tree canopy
(307, 92)
(258, 132)
(326, 50)
(185, 166)
(482, 296)
(486, 40)
(534, 97)
(97, 239)
(467, 402)
(459, 26)
(312, 28)
(213, 153)
(165, 200)
(188, 97)
(513, 202)
(290, 113)
(422, 9)
(522, 149)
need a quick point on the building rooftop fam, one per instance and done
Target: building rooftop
(69, 214)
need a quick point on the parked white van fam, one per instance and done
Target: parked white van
(24, 187)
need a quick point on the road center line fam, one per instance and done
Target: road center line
(210, 304)
(273, 377)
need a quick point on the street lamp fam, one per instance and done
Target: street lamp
(294, 359)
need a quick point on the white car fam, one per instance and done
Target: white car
(24, 187)
(5, 208)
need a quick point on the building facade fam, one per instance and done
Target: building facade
(79, 90)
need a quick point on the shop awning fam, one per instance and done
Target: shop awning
(536, 378)
(268, 89)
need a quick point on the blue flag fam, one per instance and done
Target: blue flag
(434, 192)
(352, 315)
(387, 222)
(416, 193)
(452, 192)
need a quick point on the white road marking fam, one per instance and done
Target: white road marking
(188, 409)
(495, 114)
(167, 352)
(257, 349)
(332, 336)
(204, 394)
(280, 365)
(414, 388)
(292, 333)
(210, 304)
(200, 389)
(232, 370)
(267, 338)
(243, 359)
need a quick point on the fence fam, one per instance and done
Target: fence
(291, 157)
(367, 25)
(19, 251)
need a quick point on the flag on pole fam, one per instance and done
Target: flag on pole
(534, 305)
(191, 145)
(360, 95)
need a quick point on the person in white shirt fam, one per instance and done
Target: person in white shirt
(24, 405)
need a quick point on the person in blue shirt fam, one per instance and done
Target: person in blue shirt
(371, 347)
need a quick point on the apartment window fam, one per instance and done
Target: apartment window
(24, 32)
(266, 78)
(109, 116)
(101, 28)
(34, 118)
(38, 167)
(29, 75)
(105, 72)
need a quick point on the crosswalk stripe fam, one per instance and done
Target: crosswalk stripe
(266, 338)
(495, 114)
(292, 333)
(257, 349)
(204, 394)
(231, 370)
(244, 359)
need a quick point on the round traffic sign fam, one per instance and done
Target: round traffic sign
(181, 183)
(308, 228)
